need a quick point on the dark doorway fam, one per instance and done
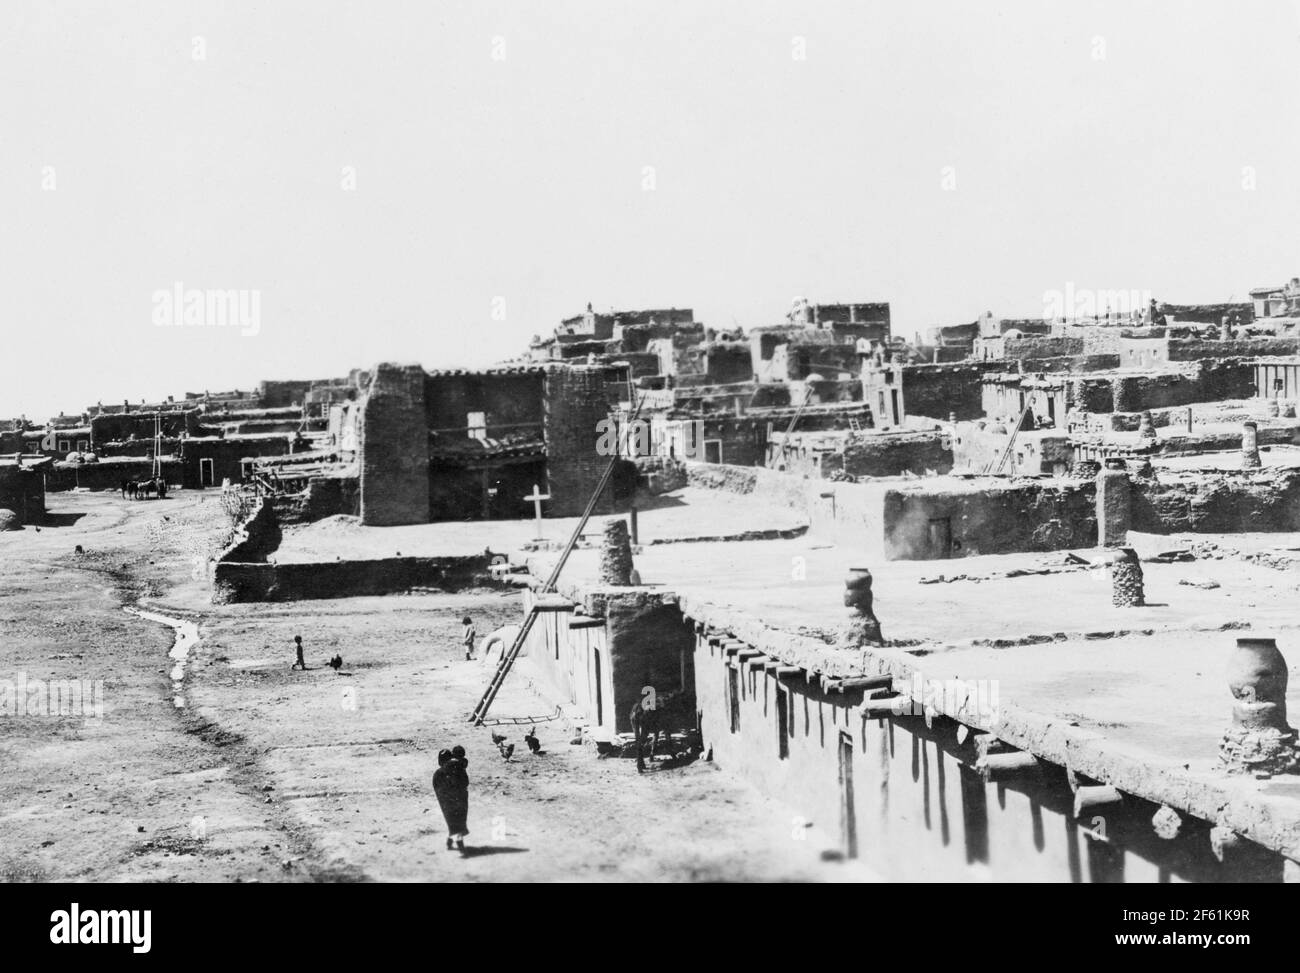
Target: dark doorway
(782, 723)
(733, 697)
(848, 816)
(941, 537)
(600, 696)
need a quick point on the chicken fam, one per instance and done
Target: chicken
(499, 739)
(534, 744)
(507, 750)
(336, 663)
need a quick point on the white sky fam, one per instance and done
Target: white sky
(521, 178)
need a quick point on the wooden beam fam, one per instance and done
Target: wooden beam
(864, 682)
(1094, 799)
(1007, 766)
(885, 706)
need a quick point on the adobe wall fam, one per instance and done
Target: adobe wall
(575, 406)
(881, 454)
(245, 582)
(1189, 349)
(256, 537)
(22, 490)
(937, 390)
(902, 793)
(1040, 516)
(507, 399)
(394, 448)
(324, 496)
(1217, 503)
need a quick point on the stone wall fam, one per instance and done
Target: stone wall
(575, 405)
(394, 448)
(1218, 503)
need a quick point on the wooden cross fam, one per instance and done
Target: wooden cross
(537, 497)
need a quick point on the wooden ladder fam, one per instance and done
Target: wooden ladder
(508, 658)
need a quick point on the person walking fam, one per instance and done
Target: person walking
(301, 663)
(451, 788)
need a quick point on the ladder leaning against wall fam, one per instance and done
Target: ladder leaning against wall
(539, 605)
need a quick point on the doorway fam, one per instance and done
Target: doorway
(940, 539)
(848, 816)
(205, 473)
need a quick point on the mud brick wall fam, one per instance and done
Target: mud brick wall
(256, 538)
(394, 448)
(650, 644)
(1035, 517)
(22, 490)
(323, 497)
(574, 406)
(728, 361)
(1227, 503)
(1226, 379)
(244, 582)
(507, 399)
(1042, 347)
(891, 454)
(937, 390)
(273, 394)
(108, 475)
(1194, 349)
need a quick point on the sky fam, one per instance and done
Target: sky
(436, 182)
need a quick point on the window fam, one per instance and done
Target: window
(477, 423)
(63, 446)
(82, 446)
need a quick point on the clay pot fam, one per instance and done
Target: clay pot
(1257, 678)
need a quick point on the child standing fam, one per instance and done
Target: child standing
(468, 637)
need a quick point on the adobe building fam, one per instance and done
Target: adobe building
(456, 444)
(22, 487)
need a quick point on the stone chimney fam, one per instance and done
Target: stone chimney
(616, 555)
(865, 627)
(1146, 430)
(1126, 590)
(1112, 507)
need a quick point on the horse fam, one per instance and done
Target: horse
(653, 714)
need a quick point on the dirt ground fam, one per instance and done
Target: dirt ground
(270, 774)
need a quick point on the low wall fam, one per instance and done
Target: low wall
(243, 582)
(324, 497)
(256, 538)
(1218, 503)
(1043, 516)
